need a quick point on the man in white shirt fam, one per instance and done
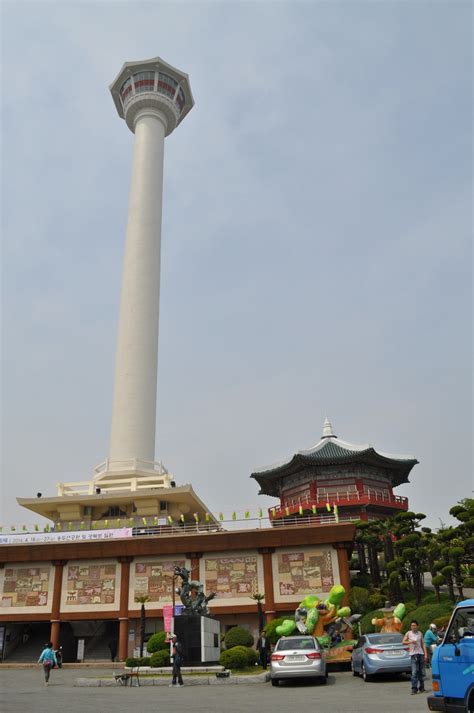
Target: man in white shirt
(419, 656)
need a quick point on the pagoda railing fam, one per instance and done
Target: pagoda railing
(342, 498)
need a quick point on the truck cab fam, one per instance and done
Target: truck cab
(453, 664)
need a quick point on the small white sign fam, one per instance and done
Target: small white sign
(80, 650)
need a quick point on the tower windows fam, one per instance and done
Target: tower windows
(145, 82)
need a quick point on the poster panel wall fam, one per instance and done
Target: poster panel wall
(90, 586)
(234, 578)
(26, 588)
(299, 571)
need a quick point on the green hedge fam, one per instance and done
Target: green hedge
(238, 636)
(238, 657)
(157, 642)
(133, 662)
(160, 658)
(426, 614)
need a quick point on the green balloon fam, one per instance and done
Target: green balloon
(286, 628)
(400, 611)
(336, 595)
(311, 619)
(344, 611)
(309, 601)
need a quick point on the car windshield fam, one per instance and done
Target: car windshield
(385, 639)
(287, 644)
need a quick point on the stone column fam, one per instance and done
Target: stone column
(269, 601)
(123, 611)
(56, 604)
(344, 573)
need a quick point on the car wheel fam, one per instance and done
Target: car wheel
(322, 680)
(367, 678)
(275, 681)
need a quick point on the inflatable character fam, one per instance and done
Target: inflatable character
(391, 622)
(313, 616)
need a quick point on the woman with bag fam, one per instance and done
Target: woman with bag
(49, 661)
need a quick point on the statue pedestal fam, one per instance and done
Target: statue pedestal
(200, 638)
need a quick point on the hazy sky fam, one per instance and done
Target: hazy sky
(316, 254)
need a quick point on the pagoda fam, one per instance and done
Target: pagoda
(338, 479)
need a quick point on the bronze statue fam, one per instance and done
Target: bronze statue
(192, 594)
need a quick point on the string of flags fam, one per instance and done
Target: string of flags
(150, 521)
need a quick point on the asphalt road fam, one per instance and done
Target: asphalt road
(23, 691)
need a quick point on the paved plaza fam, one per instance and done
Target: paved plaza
(23, 691)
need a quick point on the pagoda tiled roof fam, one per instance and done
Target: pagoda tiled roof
(331, 450)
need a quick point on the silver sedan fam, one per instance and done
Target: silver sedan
(297, 657)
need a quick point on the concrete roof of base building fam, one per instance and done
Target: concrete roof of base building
(150, 65)
(331, 450)
(183, 495)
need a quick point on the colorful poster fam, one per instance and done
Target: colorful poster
(25, 586)
(231, 577)
(155, 579)
(304, 572)
(91, 584)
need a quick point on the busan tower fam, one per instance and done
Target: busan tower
(153, 98)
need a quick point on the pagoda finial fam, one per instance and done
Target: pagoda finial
(327, 429)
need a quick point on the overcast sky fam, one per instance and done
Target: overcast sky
(315, 246)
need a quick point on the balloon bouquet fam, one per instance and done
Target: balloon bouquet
(326, 620)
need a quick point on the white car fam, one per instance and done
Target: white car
(298, 657)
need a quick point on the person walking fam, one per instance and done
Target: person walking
(418, 655)
(177, 653)
(48, 659)
(431, 639)
(263, 648)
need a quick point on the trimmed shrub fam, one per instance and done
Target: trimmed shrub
(426, 614)
(272, 625)
(238, 636)
(234, 658)
(156, 642)
(131, 662)
(376, 601)
(359, 600)
(251, 654)
(160, 658)
(361, 580)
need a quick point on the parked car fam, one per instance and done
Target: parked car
(375, 654)
(297, 657)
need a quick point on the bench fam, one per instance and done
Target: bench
(123, 678)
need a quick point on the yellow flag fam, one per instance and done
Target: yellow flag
(300, 509)
(170, 519)
(234, 515)
(247, 514)
(313, 508)
(221, 516)
(181, 517)
(328, 507)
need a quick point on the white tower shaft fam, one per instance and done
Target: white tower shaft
(134, 403)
